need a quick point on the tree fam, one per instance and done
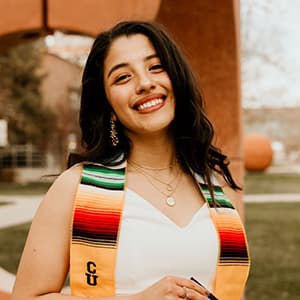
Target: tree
(20, 97)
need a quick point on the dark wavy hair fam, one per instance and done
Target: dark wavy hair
(191, 129)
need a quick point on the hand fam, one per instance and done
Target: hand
(173, 288)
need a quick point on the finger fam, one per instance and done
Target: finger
(191, 285)
(180, 291)
(193, 295)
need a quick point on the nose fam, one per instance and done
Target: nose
(144, 83)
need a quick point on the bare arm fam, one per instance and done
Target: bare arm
(45, 261)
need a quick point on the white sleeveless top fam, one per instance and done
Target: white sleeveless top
(152, 246)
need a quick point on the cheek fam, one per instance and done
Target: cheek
(119, 99)
(166, 81)
(116, 97)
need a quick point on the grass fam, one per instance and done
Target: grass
(272, 230)
(264, 183)
(12, 241)
(33, 188)
(2, 203)
(274, 242)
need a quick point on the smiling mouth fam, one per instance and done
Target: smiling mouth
(151, 105)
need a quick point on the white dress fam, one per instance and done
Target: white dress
(152, 246)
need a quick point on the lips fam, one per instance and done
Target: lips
(150, 102)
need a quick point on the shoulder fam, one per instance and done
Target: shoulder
(60, 196)
(69, 179)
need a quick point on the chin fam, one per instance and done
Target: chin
(156, 128)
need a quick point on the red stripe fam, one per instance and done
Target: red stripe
(96, 222)
(232, 241)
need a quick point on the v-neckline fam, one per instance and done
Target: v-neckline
(164, 215)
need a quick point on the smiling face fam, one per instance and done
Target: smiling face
(137, 87)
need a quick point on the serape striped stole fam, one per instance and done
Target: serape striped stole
(96, 219)
(97, 215)
(233, 263)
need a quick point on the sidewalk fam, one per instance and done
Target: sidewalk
(263, 198)
(20, 210)
(7, 281)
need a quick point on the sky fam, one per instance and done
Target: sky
(270, 43)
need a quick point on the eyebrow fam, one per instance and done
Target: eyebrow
(127, 64)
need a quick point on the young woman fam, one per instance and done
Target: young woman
(141, 212)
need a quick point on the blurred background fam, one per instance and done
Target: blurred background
(245, 54)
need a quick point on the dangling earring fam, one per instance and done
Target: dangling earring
(113, 132)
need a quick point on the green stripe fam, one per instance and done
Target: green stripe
(220, 197)
(103, 170)
(98, 182)
(221, 202)
(103, 177)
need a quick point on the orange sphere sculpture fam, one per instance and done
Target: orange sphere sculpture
(258, 152)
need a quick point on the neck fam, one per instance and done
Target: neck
(155, 151)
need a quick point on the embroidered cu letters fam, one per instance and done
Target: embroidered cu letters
(91, 277)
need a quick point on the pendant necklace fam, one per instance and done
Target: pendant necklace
(141, 169)
(170, 201)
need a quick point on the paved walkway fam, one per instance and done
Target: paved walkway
(6, 281)
(22, 209)
(263, 198)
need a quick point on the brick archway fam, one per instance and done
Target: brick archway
(21, 20)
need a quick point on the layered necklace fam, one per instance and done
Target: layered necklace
(170, 186)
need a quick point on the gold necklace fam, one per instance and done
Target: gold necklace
(168, 185)
(170, 201)
(150, 168)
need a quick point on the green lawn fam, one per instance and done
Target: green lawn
(273, 234)
(264, 183)
(4, 203)
(12, 241)
(274, 242)
(33, 188)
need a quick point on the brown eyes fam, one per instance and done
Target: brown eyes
(157, 68)
(122, 78)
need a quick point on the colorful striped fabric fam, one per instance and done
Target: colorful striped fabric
(96, 219)
(96, 222)
(233, 263)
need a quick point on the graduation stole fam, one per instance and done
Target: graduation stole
(97, 215)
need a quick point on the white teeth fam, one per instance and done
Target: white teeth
(150, 104)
